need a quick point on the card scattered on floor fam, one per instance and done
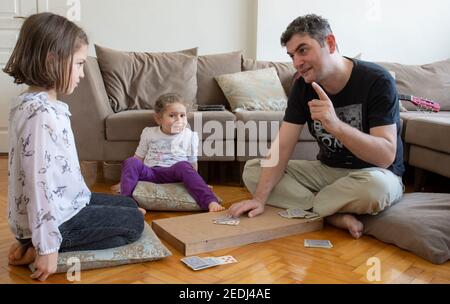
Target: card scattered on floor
(198, 263)
(227, 220)
(318, 244)
(298, 213)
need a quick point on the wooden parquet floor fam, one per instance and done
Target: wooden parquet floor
(284, 260)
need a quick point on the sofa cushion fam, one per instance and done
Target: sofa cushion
(254, 90)
(147, 248)
(135, 80)
(429, 160)
(247, 119)
(418, 223)
(128, 125)
(285, 70)
(210, 66)
(165, 197)
(430, 81)
(409, 115)
(429, 132)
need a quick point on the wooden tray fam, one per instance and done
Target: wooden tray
(193, 234)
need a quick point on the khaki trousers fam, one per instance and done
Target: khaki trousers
(311, 184)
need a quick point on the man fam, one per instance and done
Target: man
(352, 109)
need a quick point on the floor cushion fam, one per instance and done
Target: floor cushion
(419, 222)
(147, 248)
(165, 197)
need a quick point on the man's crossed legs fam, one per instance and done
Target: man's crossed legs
(334, 193)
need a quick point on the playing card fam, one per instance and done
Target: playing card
(297, 213)
(227, 220)
(212, 261)
(196, 263)
(227, 259)
(284, 214)
(309, 214)
(318, 243)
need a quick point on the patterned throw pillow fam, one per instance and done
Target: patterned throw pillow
(165, 197)
(147, 248)
(254, 90)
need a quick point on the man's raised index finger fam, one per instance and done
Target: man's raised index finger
(320, 92)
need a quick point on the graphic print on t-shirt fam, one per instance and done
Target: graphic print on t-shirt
(351, 115)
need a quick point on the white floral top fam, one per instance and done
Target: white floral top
(45, 185)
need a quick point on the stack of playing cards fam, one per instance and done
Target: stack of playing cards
(198, 263)
(297, 213)
(227, 220)
(318, 244)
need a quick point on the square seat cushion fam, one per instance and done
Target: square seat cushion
(428, 132)
(419, 223)
(147, 248)
(165, 197)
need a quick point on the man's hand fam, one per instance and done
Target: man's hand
(45, 265)
(253, 207)
(322, 109)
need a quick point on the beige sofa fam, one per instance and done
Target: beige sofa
(106, 132)
(425, 135)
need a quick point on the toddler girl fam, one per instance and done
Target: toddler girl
(168, 154)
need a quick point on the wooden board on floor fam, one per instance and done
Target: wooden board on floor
(193, 234)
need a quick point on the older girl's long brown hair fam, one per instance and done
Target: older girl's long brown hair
(43, 53)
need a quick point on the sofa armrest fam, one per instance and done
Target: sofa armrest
(89, 106)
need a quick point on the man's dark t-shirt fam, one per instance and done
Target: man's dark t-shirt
(368, 100)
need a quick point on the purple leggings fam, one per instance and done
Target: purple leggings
(134, 170)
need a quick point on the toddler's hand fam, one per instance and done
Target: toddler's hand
(215, 207)
(116, 188)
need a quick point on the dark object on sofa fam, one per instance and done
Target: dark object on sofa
(210, 108)
(419, 223)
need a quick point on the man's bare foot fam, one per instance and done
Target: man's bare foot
(215, 207)
(116, 188)
(347, 221)
(142, 210)
(19, 255)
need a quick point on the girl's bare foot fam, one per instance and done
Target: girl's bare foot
(116, 188)
(20, 255)
(142, 210)
(347, 221)
(215, 207)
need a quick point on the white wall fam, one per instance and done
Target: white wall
(404, 31)
(215, 26)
